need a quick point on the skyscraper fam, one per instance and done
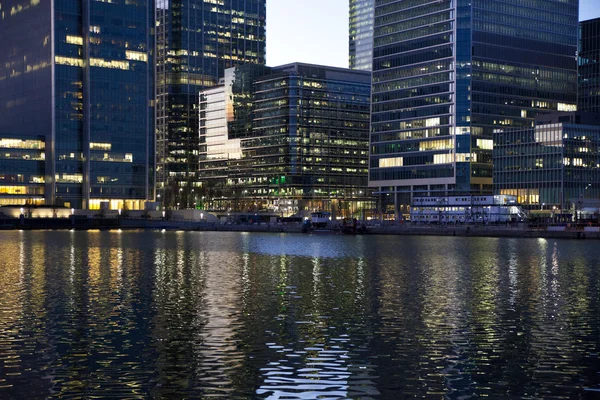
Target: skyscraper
(362, 14)
(589, 66)
(286, 139)
(196, 41)
(76, 103)
(447, 73)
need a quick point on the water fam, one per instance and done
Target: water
(237, 316)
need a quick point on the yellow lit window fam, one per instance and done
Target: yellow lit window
(100, 146)
(136, 56)
(69, 178)
(391, 162)
(21, 144)
(74, 40)
(13, 189)
(74, 62)
(112, 64)
(566, 107)
(442, 158)
(486, 144)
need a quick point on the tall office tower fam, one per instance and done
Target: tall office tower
(589, 66)
(447, 73)
(362, 15)
(196, 41)
(286, 139)
(76, 103)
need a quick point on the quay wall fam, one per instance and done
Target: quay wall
(516, 231)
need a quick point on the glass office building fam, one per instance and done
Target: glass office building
(196, 41)
(447, 73)
(362, 15)
(589, 66)
(552, 165)
(77, 81)
(287, 139)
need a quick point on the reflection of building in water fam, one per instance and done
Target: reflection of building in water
(552, 165)
(217, 354)
(466, 209)
(317, 348)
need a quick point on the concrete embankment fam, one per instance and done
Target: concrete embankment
(522, 231)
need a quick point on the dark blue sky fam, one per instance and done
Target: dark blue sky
(317, 31)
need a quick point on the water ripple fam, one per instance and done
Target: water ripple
(281, 316)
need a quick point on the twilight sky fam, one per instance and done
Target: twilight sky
(316, 31)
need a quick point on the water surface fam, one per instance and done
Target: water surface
(235, 315)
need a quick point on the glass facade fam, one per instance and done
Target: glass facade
(551, 165)
(447, 73)
(589, 66)
(362, 14)
(22, 178)
(86, 78)
(25, 100)
(196, 41)
(289, 140)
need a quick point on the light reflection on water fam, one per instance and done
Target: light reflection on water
(230, 315)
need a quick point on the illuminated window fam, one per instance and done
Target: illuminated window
(566, 107)
(391, 162)
(13, 189)
(466, 157)
(75, 40)
(100, 146)
(69, 178)
(429, 122)
(112, 64)
(136, 56)
(436, 145)
(442, 158)
(74, 62)
(486, 144)
(21, 144)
